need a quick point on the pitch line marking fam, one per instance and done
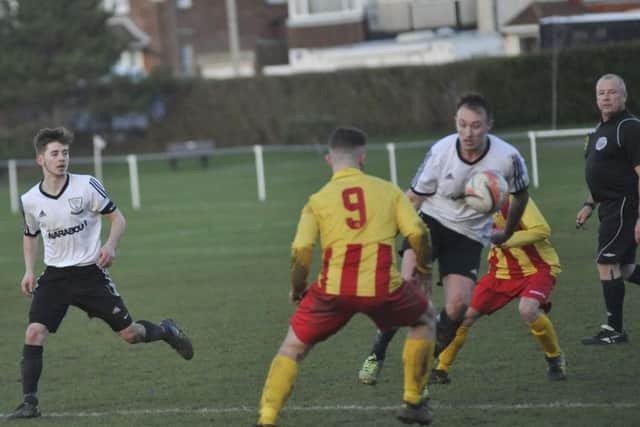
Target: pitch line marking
(330, 408)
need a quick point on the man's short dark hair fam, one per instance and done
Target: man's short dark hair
(47, 135)
(347, 138)
(475, 102)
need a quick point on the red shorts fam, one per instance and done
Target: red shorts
(321, 315)
(491, 293)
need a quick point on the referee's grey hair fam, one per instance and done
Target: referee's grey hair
(617, 78)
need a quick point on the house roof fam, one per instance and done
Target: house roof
(533, 13)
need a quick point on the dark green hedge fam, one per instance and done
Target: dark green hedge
(387, 102)
(396, 101)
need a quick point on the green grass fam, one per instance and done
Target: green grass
(204, 251)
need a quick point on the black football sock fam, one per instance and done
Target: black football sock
(153, 332)
(382, 343)
(613, 291)
(31, 367)
(446, 328)
(635, 275)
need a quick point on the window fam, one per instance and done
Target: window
(183, 4)
(186, 60)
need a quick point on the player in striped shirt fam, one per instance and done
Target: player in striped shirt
(524, 267)
(66, 210)
(357, 217)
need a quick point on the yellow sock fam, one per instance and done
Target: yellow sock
(280, 380)
(542, 329)
(448, 355)
(417, 358)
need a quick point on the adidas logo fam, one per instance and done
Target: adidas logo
(42, 214)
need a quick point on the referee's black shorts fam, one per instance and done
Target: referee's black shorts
(616, 237)
(88, 287)
(455, 253)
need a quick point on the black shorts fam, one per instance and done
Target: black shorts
(616, 237)
(89, 288)
(455, 253)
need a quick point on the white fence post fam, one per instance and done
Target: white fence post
(262, 193)
(98, 145)
(534, 158)
(559, 133)
(391, 148)
(13, 186)
(134, 182)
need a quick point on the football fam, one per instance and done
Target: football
(486, 191)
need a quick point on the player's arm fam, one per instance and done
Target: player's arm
(637, 227)
(30, 252)
(414, 229)
(108, 250)
(516, 209)
(534, 228)
(302, 253)
(415, 199)
(629, 134)
(585, 211)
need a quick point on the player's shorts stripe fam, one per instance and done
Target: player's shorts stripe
(383, 269)
(99, 188)
(615, 236)
(350, 267)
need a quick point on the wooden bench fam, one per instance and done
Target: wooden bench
(202, 149)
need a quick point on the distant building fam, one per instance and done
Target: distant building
(191, 37)
(597, 28)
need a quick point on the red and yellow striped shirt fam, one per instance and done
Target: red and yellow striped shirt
(357, 217)
(528, 250)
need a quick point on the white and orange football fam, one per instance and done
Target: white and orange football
(486, 191)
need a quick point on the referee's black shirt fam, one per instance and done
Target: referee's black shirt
(612, 152)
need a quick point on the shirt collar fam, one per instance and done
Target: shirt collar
(346, 172)
(615, 117)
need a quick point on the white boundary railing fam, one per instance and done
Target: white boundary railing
(132, 160)
(258, 153)
(560, 133)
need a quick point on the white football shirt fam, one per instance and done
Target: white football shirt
(442, 177)
(70, 222)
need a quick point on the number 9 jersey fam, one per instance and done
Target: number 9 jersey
(357, 218)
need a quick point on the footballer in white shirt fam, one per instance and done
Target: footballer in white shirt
(66, 210)
(458, 232)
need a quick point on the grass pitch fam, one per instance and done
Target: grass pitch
(204, 251)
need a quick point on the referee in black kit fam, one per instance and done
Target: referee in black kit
(612, 156)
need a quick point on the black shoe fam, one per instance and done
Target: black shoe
(415, 414)
(607, 335)
(27, 409)
(557, 368)
(177, 339)
(439, 376)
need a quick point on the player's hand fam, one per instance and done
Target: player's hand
(296, 296)
(27, 284)
(637, 231)
(583, 215)
(424, 281)
(499, 236)
(105, 256)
